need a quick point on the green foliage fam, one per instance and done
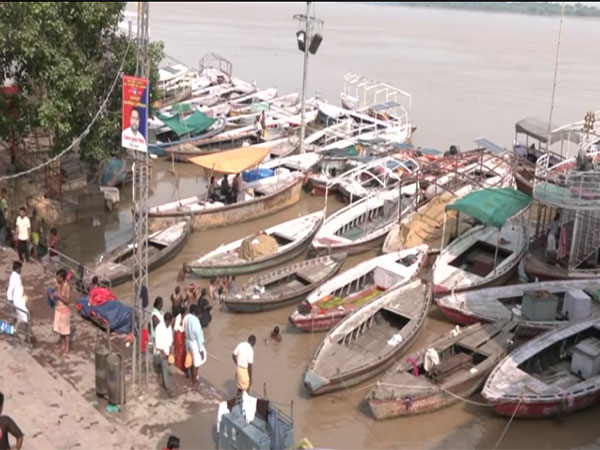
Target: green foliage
(64, 57)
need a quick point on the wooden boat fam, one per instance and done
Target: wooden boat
(270, 195)
(280, 147)
(551, 375)
(261, 250)
(379, 174)
(163, 245)
(417, 385)
(363, 225)
(295, 163)
(487, 254)
(424, 227)
(368, 341)
(561, 299)
(284, 286)
(364, 283)
(479, 258)
(238, 135)
(160, 148)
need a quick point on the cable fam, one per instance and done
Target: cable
(77, 140)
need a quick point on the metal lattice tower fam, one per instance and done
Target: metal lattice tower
(140, 213)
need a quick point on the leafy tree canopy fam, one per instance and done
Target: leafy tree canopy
(63, 57)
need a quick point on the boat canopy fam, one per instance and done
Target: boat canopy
(192, 125)
(492, 206)
(232, 161)
(538, 129)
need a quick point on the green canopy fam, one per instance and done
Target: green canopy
(182, 108)
(194, 124)
(492, 206)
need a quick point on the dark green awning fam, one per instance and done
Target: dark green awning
(492, 206)
(192, 125)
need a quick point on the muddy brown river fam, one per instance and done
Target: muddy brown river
(471, 75)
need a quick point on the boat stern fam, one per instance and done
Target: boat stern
(314, 383)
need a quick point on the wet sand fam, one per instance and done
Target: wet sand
(471, 74)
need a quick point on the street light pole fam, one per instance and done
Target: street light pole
(303, 110)
(309, 43)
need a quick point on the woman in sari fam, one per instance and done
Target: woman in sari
(179, 340)
(62, 315)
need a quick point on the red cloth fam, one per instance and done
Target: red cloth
(99, 296)
(180, 352)
(145, 339)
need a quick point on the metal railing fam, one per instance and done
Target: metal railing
(62, 261)
(9, 310)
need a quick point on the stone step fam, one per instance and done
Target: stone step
(50, 412)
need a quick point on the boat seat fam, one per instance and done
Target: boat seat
(310, 274)
(449, 366)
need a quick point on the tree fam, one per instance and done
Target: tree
(63, 57)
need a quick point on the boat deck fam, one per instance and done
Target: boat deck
(536, 265)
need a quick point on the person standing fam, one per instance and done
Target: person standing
(36, 231)
(177, 299)
(162, 350)
(238, 188)
(23, 233)
(194, 342)
(243, 357)
(156, 317)
(179, 338)
(62, 315)
(3, 218)
(8, 426)
(15, 293)
(225, 191)
(204, 307)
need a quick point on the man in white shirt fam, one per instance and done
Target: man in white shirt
(131, 137)
(243, 357)
(23, 232)
(162, 349)
(15, 293)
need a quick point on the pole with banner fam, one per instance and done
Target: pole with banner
(134, 137)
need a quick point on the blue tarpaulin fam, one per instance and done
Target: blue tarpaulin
(116, 313)
(257, 174)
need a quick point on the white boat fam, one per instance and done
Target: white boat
(363, 225)
(536, 307)
(259, 251)
(368, 341)
(554, 374)
(345, 293)
(295, 163)
(379, 174)
(487, 254)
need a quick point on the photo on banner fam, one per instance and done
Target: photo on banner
(135, 113)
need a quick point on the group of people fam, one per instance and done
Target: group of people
(26, 233)
(229, 194)
(177, 334)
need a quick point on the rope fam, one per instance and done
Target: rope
(77, 140)
(516, 409)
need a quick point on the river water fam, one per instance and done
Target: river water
(470, 75)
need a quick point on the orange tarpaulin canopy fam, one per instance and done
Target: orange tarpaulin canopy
(232, 161)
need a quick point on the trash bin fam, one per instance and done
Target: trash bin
(115, 381)
(101, 355)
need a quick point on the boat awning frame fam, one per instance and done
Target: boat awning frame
(492, 206)
(538, 129)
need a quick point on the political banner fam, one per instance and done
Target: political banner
(135, 113)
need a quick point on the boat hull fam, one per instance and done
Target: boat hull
(351, 249)
(323, 323)
(439, 290)
(219, 271)
(238, 213)
(387, 409)
(541, 410)
(155, 262)
(357, 377)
